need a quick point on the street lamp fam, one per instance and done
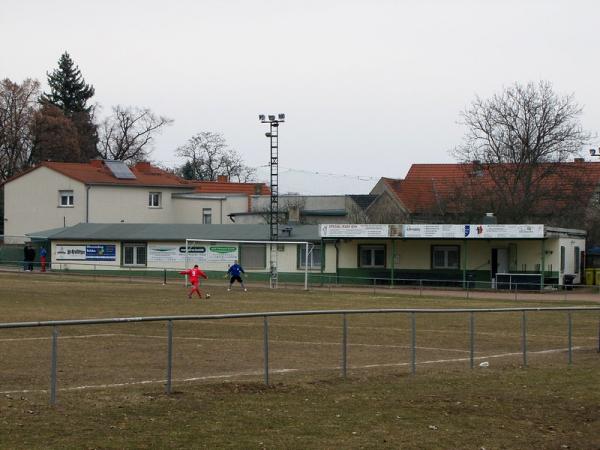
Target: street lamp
(273, 136)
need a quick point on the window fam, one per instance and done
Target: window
(207, 215)
(154, 199)
(577, 260)
(371, 256)
(445, 256)
(253, 256)
(314, 256)
(134, 254)
(66, 199)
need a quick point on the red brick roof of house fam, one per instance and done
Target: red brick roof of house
(427, 187)
(96, 173)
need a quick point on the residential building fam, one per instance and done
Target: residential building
(308, 209)
(56, 194)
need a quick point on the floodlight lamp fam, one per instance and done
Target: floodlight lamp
(271, 118)
(261, 117)
(281, 116)
(268, 135)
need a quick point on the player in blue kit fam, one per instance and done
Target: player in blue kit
(235, 272)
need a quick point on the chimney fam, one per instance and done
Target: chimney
(144, 166)
(293, 214)
(222, 179)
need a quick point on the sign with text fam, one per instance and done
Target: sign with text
(90, 252)
(101, 252)
(344, 230)
(175, 253)
(70, 253)
(474, 231)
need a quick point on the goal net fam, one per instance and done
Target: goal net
(265, 257)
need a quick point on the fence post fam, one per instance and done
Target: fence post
(472, 338)
(524, 337)
(344, 345)
(570, 320)
(164, 277)
(53, 366)
(413, 343)
(266, 347)
(169, 355)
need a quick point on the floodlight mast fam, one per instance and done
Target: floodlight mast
(273, 135)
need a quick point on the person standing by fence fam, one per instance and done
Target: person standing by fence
(195, 273)
(43, 259)
(31, 257)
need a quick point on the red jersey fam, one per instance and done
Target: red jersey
(194, 274)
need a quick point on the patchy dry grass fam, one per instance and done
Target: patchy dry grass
(111, 378)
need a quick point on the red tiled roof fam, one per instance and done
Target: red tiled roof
(428, 187)
(227, 187)
(96, 172)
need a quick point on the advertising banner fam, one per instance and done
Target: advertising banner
(474, 231)
(342, 230)
(91, 252)
(101, 252)
(175, 253)
(70, 253)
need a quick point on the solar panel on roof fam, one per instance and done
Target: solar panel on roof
(120, 170)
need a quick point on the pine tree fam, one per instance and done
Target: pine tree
(70, 93)
(68, 90)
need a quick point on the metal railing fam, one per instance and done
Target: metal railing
(55, 324)
(322, 280)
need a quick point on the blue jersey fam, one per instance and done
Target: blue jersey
(235, 270)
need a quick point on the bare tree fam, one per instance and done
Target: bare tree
(208, 156)
(128, 134)
(55, 137)
(18, 104)
(514, 140)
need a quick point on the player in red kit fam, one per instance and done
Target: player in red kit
(195, 275)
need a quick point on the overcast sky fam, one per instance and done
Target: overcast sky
(368, 87)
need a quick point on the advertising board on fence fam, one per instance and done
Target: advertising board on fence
(90, 252)
(175, 253)
(345, 230)
(474, 231)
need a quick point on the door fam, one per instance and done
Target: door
(499, 261)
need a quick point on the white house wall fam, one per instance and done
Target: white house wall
(114, 204)
(416, 254)
(31, 203)
(186, 210)
(286, 259)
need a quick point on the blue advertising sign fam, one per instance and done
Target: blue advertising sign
(101, 252)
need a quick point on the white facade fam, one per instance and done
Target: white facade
(160, 255)
(45, 199)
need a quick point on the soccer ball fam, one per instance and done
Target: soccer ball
(207, 295)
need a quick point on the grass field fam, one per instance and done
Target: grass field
(111, 377)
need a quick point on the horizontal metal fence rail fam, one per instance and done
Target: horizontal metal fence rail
(170, 274)
(412, 313)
